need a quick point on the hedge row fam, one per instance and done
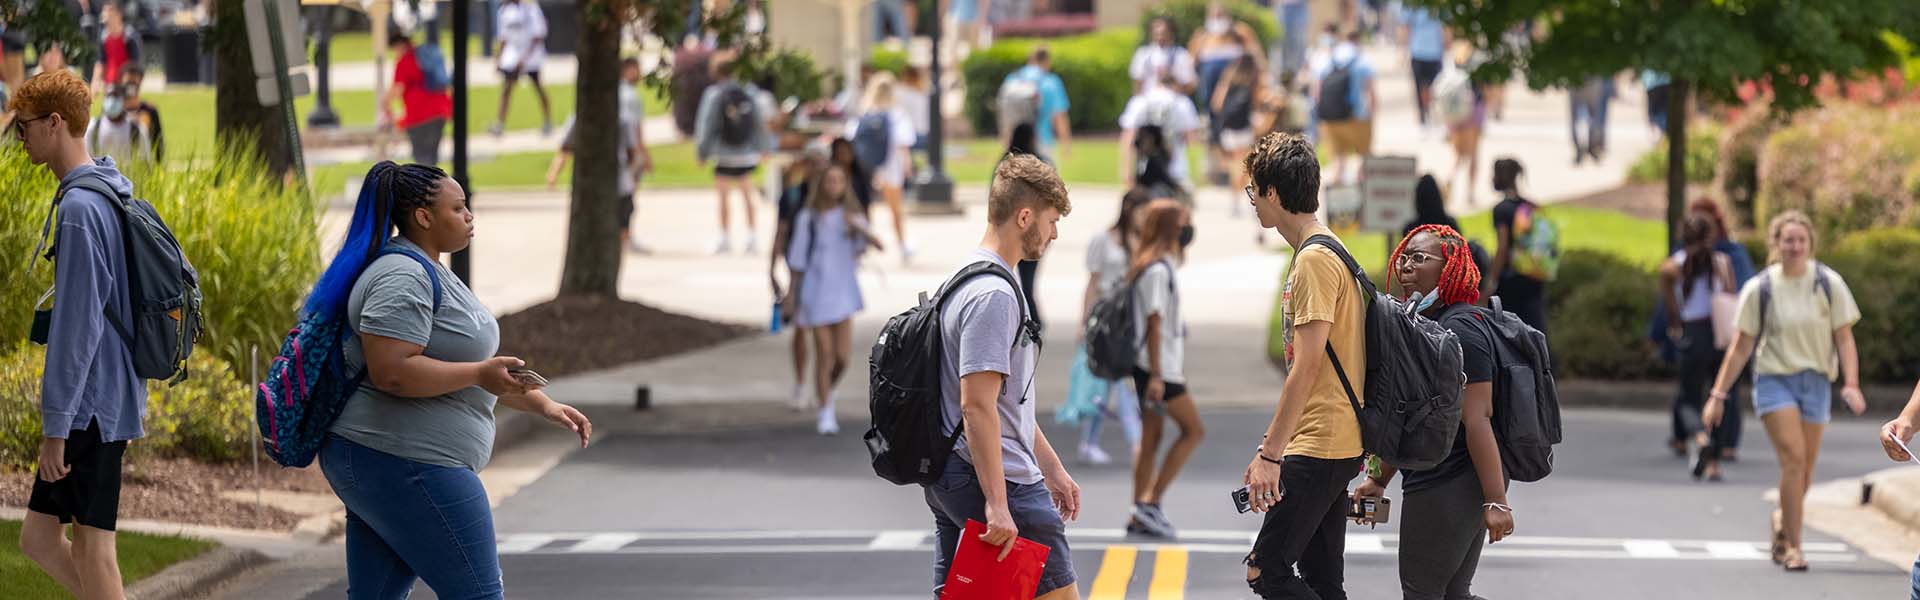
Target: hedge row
(1850, 167)
(1093, 67)
(208, 417)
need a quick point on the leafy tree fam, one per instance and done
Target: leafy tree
(1708, 47)
(592, 265)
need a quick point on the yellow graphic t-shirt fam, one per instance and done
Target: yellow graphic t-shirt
(1319, 288)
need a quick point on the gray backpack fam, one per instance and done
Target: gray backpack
(163, 288)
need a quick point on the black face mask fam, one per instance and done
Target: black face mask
(1186, 236)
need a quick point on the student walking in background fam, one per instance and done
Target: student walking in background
(1159, 374)
(521, 50)
(730, 130)
(799, 180)
(1514, 219)
(427, 110)
(1449, 507)
(1109, 257)
(1736, 255)
(1240, 90)
(883, 139)
(1796, 322)
(91, 400)
(829, 235)
(1697, 293)
(1425, 37)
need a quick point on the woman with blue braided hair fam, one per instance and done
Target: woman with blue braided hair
(404, 454)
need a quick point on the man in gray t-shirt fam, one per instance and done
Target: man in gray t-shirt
(1004, 473)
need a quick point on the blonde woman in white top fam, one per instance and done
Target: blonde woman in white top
(1801, 340)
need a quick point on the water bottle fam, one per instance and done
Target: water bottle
(774, 326)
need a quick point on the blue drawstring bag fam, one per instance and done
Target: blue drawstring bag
(1084, 391)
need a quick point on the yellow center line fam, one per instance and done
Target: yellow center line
(1169, 574)
(1116, 570)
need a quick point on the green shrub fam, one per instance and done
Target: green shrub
(208, 417)
(1191, 15)
(1739, 170)
(1703, 150)
(254, 242)
(1093, 67)
(794, 74)
(1878, 268)
(1597, 317)
(1846, 166)
(889, 60)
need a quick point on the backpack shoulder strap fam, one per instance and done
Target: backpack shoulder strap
(433, 274)
(1353, 267)
(1766, 303)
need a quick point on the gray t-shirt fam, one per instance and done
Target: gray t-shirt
(1154, 292)
(394, 298)
(979, 325)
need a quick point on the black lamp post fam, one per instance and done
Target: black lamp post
(934, 190)
(462, 260)
(322, 114)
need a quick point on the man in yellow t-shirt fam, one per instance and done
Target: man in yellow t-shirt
(1311, 451)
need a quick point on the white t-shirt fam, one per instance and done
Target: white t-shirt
(1107, 260)
(914, 103)
(1175, 115)
(518, 26)
(1154, 293)
(125, 141)
(1149, 61)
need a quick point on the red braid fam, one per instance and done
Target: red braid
(1460, 278)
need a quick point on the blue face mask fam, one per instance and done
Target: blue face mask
(1423, 301)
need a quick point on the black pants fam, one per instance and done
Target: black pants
(1699, 364)
(1308, 527)
(1441, 535)
(1424, 72)
(425, 139)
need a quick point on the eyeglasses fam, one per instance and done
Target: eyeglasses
(20, 125)
(1414, 258)
(1250, 194)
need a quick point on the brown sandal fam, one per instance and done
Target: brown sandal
(1795, 561)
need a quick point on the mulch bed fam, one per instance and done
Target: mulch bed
(586, 333)
(184, 491)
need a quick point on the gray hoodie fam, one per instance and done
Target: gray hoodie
(706, 128)
(89, 373)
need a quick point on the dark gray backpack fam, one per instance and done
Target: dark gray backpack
(163, 288)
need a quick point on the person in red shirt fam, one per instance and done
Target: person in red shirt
(118, 48)
(426, 108)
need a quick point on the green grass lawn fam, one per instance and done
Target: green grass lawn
(140, 556)
(188, 116)
(357, 46)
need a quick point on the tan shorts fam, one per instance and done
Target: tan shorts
(1347, 137)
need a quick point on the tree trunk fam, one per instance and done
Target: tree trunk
(593, 238)
(238, 117)
(1677, 104)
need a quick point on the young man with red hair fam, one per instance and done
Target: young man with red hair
(1449, 506)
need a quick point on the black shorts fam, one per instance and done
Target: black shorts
(719, 171)
(626, 210)
(1140, 377)
(1424, 72)
(509, 76)
(90, 493)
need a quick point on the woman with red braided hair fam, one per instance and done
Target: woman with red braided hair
(1447, 507)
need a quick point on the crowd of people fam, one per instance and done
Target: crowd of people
(126, 126)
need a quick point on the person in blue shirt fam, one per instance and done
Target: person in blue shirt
(91, 401)
(1426, 39)
(1052, 131)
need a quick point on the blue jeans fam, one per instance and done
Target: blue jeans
(890, 20)
(1293, 45)
(408, 520)
(1915, 595)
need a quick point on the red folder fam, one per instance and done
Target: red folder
(977, 574)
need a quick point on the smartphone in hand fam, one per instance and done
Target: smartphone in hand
(527, 377)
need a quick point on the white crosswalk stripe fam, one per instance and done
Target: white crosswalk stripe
(1197, 542)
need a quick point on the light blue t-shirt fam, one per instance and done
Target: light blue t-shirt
(1053, 100)
(1361, 79)
(1426, 35)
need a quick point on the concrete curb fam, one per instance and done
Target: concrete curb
(1895, 493)
(192, 578)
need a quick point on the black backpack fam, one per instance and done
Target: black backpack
(739, 116)
(162, 288)
(1414, 378)
(1526, 407)
(1336, 93)
(1236, 110)
(908, 440)
(1113, 338)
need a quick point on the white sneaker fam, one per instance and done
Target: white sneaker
(829, 424)
(1093, 455)
(801, 401)
(906, 252)
(636, 247)
(720, 247)
(753, 244)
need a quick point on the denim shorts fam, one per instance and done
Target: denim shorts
(956, 497)
(1810, 391)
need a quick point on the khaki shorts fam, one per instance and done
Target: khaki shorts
(1347, 137)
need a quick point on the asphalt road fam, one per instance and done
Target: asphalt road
(787, 514)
